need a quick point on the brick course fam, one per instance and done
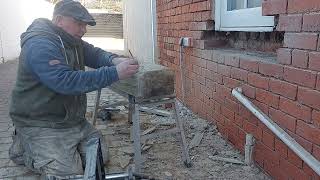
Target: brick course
(285, 87)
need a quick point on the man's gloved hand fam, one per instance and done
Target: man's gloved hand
(119, 60)
(127, 68)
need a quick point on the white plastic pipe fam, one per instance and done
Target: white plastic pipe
(248, 150)
(280, 133)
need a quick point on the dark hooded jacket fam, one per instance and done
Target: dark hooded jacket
(52, 81)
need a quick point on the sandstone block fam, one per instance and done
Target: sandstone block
(152, 80)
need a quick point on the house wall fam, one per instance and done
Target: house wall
(139, 33)
(281, 77)
(15, 16)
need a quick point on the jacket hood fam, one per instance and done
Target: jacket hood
(44, 27)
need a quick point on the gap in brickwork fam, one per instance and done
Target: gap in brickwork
(256, 41)
(249, 41)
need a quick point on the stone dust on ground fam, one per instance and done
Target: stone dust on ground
(162, 156)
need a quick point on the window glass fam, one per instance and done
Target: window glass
(254, 3)
(236, 4)
(243, 4)
(242, 15)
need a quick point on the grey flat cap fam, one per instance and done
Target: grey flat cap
(74, 9)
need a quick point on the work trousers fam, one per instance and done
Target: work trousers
(55, 152)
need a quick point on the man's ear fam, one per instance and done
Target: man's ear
(57, 20)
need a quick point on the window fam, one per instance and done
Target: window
(241, 15)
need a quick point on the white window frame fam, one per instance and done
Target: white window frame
(250, 19)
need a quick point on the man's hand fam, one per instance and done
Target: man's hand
(119, 60)
(127, 68)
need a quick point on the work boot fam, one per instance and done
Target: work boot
(16, 150)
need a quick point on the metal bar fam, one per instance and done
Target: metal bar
(96, 107)
(117, 176)
(280, 133)
(179, 124)
(91, 161)
(94, 163)
(132, 101)
(136, 138)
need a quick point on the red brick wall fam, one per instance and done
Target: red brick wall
(286, 87)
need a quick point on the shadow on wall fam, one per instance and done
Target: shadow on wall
(15, 17)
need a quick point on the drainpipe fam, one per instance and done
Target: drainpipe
(153, 30)
(183, 42)
(280, 133)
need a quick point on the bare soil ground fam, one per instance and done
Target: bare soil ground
(162, 156)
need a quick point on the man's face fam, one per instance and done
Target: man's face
(72, 26)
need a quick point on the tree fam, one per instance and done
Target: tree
(110, 5)
(53, 1)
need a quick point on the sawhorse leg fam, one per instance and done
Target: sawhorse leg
(185, 154)
(135, 117)
(96, 107)
(132, 102)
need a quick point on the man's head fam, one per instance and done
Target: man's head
(72, 17)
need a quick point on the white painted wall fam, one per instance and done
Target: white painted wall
(140, 28)
(15, 17)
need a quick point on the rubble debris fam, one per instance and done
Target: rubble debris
(150, 130)
(164, 155)
(127, 150)
(145, 147)
(104, 115)
(123, 130)
(155, 111)
(124, 160)
(167, 175)
(214, 152)
(107, 113)
(228, 160)
(196, 140)
(114, 103)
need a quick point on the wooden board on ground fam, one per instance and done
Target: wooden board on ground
(152, 80)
